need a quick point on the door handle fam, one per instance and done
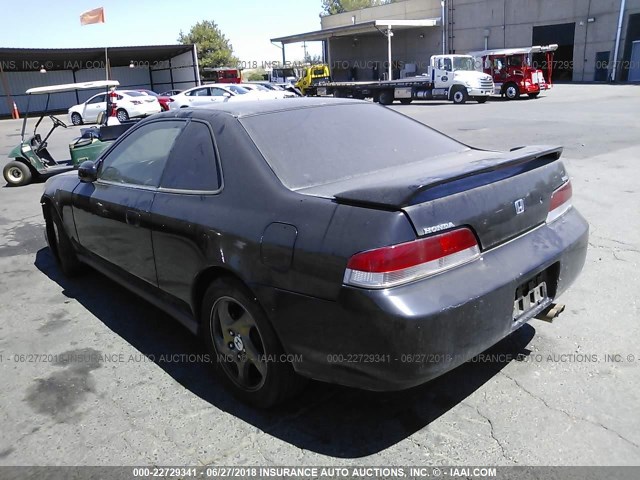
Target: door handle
(133, 218)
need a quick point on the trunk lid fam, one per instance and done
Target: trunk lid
(499, 195)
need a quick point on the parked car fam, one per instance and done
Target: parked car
(129, 104)
(170, 93)
(267, 92)
(213, 93)
(162, 99)
(389, 256)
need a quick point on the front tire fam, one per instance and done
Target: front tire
(481, 99)
(60, 245)
(534, 95)
(17, 174)
(76, 118)
(122, 115)
(511, 91)
(246, 351)
(406, 101)
(460, 96)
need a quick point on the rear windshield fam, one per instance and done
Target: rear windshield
(319, 145)
(134, 94)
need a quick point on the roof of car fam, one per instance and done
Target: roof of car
(247, 108)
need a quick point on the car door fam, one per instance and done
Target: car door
(185, 204)
(219, 94)
(198, 96)
(112, 213)
(93, 107)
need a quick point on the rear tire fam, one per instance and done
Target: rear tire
(245, 349)
(76, 118)
(17, 173)
(122, 115)
(60, 245)
(386, 97)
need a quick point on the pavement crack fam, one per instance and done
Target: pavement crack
(493, 435)
(569, 415)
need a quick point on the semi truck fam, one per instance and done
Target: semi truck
(448, 77)
(515, 71)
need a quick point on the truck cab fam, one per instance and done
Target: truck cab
(514, 70)
(282, 75)
(311, 77)
(458, 75)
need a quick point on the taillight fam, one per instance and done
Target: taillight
(397, 264)
(560, 201)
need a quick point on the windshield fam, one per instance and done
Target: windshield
(365, 138)
(463, 63)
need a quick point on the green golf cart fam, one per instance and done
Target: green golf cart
(32, 158)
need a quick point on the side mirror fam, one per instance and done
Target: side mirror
(88, 172)
(226, 94)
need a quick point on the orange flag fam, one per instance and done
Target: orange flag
(92, 16)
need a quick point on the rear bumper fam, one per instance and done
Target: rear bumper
(401, 337)
(144, 110)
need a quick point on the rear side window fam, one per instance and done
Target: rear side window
(192, 165)
(318, 145)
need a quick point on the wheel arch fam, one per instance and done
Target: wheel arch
(206, 278)
(24, 160)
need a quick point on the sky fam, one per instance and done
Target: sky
(248, 24)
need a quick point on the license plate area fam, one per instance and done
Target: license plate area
(530, 299)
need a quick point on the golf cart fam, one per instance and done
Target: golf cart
(32, 158)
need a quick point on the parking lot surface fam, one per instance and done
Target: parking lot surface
(79, 386)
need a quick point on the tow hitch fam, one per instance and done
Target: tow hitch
(550, 313)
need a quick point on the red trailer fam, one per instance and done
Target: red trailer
(518, 71)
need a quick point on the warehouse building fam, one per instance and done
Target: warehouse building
(599, 40)
(157, 67)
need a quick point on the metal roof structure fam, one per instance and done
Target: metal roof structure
(357, 29)
(29, 59)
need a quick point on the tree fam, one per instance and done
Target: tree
(214, 49)
(331, 7)
(254, 75)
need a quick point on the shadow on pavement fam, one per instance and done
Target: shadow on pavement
(327, 419)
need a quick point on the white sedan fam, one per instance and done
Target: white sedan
(129, 104)
(212, 93)
(266, 92)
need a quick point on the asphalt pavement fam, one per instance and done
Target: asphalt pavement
(565, 393)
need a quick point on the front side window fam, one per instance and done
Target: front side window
(200, 92)
(140, 157)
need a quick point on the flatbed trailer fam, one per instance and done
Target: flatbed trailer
(442, 82)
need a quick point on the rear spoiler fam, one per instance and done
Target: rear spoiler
(447, 178)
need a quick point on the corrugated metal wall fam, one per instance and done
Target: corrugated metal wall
(155, 77)
(179, 72)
